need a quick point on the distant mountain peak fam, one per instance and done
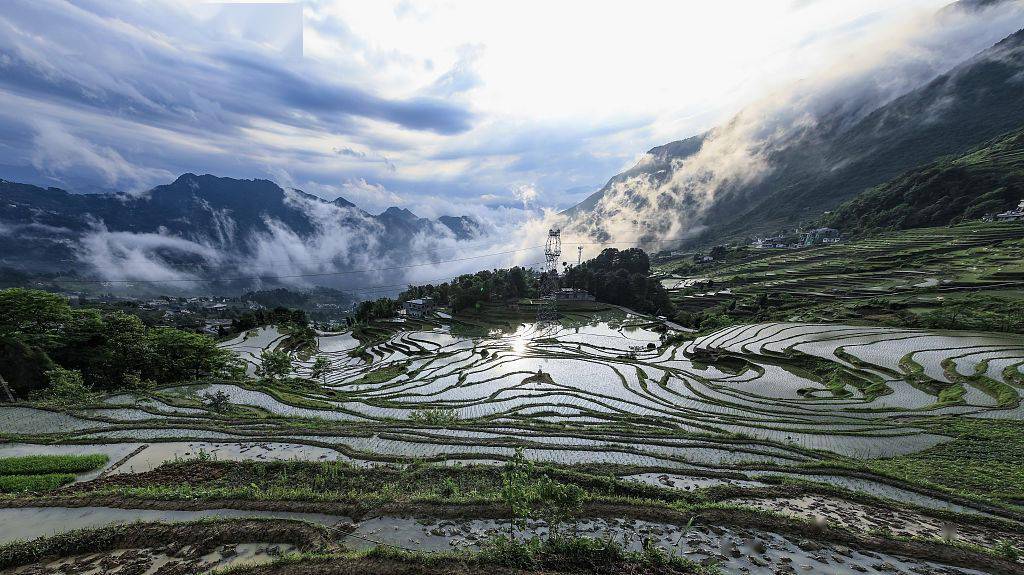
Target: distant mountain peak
(342, 202)
(396, 212)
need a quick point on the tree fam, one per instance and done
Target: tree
(123, 350)
(34, 317)
(622, 278)
(110, 350)
(23, 366)
(559, 502)
(516, 490)
(217, 401)
(274, 365)
(376, 309)
(65, 386)
(321, 368)
(176, 355)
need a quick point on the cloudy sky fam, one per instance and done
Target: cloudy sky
(440, 106)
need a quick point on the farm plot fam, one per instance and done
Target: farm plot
(605, 390)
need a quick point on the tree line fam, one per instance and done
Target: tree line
(621, 277)
(470, 290)
(48, 347)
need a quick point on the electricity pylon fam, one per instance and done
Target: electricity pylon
(548, 310)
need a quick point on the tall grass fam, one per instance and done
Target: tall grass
(34, 483)
(50, 464)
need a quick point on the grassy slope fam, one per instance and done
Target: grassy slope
(988, 179)
(886, 279)
(986, 458)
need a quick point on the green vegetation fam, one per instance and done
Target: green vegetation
(63, 386)
(986, 457)
(279, 316)
(471, 291)
(621, 278)
(965, 277)
(321, 368)
(58, 351)
(977, 312)
(583, 553)
(986, 180)
(382, 374)
(436, 417)
(274, 365)
(371, 310)
(34, 483)
(44, 473)
(42, 464)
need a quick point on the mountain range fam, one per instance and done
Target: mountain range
(842, 153)
(199, 220)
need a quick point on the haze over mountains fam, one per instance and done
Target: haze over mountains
(791, 158)
(782, 162)
(202, 225)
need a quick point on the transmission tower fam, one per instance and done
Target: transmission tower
(579, 255)
(548, 310)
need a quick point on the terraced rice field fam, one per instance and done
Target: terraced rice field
(929, 264)
(749, 408)
(605, 391)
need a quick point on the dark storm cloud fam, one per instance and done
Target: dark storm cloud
(155, 89)
(147, 80)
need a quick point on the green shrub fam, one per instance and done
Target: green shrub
(1005, 549)
(65, 386)
(436, 416)
(511, 553)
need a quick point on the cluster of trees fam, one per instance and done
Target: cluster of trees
(622, 278)
(470, 290)
(45, 344)
(278, 297)
(278, 316)
(981, 313)
(372, 309)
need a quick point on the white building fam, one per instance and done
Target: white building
(1012, 215)
(418, 307)
(571, 294)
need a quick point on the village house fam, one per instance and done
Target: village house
(418, 307)
(572, 294)
(215, 326)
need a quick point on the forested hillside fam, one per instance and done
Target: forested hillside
(987, 180)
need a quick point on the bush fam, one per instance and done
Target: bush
(1005, 549)
(438, 417)
(65, 386)
(511, 553)
(218, 401)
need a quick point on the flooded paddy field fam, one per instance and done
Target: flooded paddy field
(577, 393)
(611, 400)
(163, 559)
(731, 549)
